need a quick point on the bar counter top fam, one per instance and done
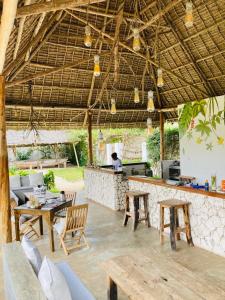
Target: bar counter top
(104, 170)
(161, 182)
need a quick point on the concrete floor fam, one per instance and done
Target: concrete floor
(108, 238)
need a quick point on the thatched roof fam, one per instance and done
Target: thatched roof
(193, 61)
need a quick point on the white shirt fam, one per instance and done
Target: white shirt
(117, 164)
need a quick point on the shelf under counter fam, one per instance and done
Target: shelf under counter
(161, 182)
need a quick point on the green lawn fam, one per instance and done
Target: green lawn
(70, 174)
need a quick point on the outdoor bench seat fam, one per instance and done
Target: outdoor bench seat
(20, 281)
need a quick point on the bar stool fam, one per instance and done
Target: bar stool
(135, 197)
(174, 205)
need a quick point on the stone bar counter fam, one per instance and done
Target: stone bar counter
(106, 187)
(207, 210)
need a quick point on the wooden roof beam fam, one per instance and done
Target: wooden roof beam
(190, 56)
(7, 22)
(53, 5)
(68, 107)
(180, 78)
(155, 18)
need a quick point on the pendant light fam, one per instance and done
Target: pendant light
(113, 106)
(96, 66)
(136, 95)
(136, 40)
(189, 15)
(100, 141)
(149, 126)
(151, 106)
(160, 82)
(88, 38)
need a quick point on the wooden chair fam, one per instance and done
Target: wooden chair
(27, 222)
(75, 222)
(62, 213)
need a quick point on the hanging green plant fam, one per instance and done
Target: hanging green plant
(202, 117)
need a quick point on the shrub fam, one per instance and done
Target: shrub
(23, 154)
(49, 180)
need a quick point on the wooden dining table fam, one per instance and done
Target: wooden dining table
(155, 277)
(46, 212)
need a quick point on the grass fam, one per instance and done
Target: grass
(70, 174)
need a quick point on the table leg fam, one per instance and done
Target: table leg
(112, 290)
(49, 220)
(172, 228)
(41, 225)
(17, 226)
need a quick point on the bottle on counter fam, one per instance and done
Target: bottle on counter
(213, 182)
(206, 185)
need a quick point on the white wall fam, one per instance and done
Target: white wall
(199, 162)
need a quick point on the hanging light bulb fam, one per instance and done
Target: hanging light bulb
(100, 141)
(136, 95)
(136, 40)
(113, 106)
(189, 14)
(149, 126)
(88, 38)
(160, 82)
(151, 106)
(97, 66)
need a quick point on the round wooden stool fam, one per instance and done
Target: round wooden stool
(174, 205)
(135, 197)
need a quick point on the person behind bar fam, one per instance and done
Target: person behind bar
(116, 162)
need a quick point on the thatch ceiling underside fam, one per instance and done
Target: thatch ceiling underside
(193, 60)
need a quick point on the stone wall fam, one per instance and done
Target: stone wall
(207, 214)
(105, 188)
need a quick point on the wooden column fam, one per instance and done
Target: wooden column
(90, 146)
(5, 212)
(162, 145)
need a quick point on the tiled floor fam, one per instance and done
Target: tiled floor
(108, 238)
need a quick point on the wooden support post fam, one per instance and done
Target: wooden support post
(6, 231)
(162, 146)
(90, 150)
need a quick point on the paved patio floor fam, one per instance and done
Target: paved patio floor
(108, 238)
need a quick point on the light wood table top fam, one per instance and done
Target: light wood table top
(157, 277)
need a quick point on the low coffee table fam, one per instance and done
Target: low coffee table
(47, 212)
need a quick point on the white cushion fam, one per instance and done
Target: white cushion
(32, 254)
(53, 282)
(14, 181)
(59, 226)
(77, 289)
(36, 179)
(13, 196)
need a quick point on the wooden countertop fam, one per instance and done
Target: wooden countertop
(161, 182)
(104, 170)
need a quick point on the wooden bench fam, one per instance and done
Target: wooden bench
(157, 278)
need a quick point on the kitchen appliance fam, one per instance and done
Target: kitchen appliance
(170, 169)
(174, 171)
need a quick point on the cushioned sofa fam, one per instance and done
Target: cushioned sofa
(21, 282)
(20, 184)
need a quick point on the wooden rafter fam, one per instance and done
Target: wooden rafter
(191, 58)
(38, 47)
(93, 76)
(15, 64)
(160, 14)
(169, 72)
(7, 22)
(20, 32)
(53, 5)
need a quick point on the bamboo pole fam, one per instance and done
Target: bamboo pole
(6, 231)
(90, 146)
(162, 145)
